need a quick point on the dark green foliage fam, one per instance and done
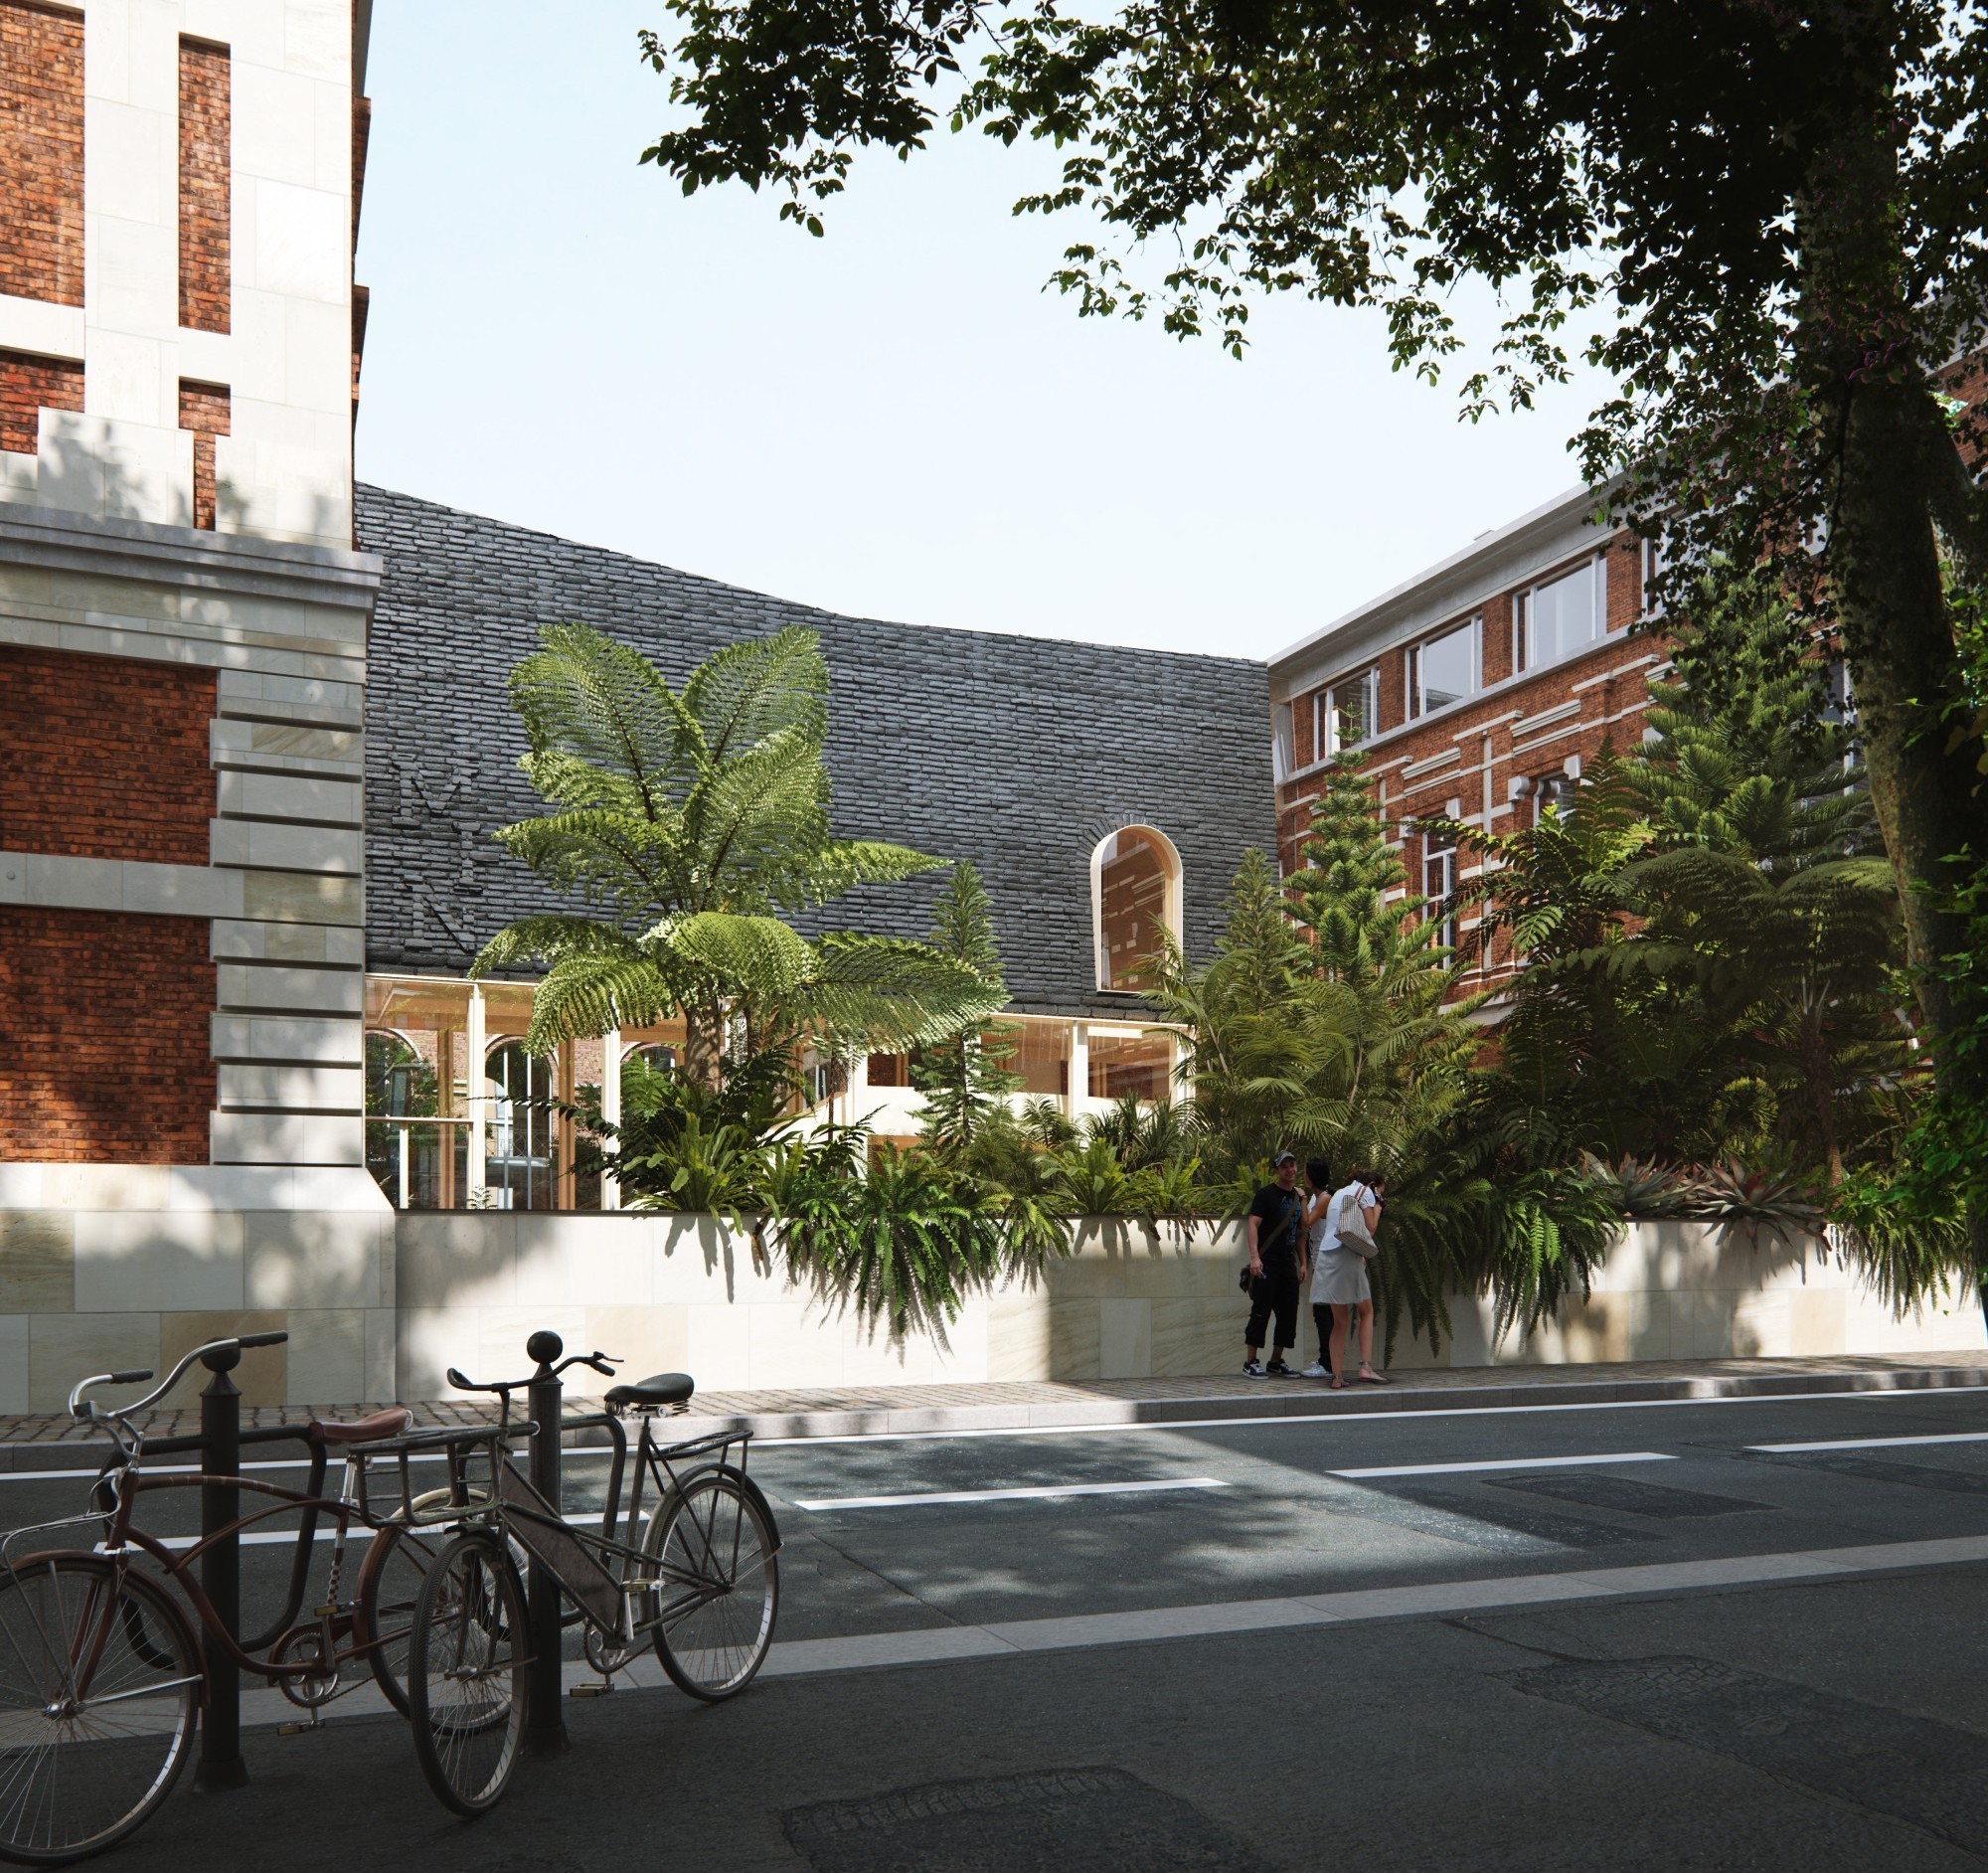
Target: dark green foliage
(1711, 935)
(965, 1078)
(1768, 217)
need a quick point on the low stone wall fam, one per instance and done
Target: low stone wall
(682, 1293)
(114, 1267)
(117, 1265)
(1697, 1291)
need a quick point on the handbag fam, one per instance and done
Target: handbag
(1354, 1235)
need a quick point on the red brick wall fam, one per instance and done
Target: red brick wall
(204, 408)
(106, 1020)
(28, 385)
(105, 757)
(41, 153)
(204, 186)
(1466, 729)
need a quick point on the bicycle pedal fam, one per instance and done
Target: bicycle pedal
(291, 1730)
(590, 1690)
(324, 1613)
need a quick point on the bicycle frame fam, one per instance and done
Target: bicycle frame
(589, 1586)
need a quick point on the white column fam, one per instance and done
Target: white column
(472, 1073)
(611, 1110)
(856, 1093)
(1080, 1068)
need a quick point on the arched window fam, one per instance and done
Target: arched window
(1135, 894)
(399, 1084)
(519, 1154)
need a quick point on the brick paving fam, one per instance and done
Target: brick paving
(828, 1412)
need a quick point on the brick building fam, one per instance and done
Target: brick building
(1476, 691)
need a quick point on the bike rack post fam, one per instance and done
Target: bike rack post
(545, 1721)
(220, 1766)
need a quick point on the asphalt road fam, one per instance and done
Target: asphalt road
(1824, 1720)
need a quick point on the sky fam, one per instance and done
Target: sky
(896, 421)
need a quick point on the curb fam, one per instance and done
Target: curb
(1311, 1402)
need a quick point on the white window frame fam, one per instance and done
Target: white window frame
(1439, 907)
(1412, 663)
(1523, 664)
(1368, 679)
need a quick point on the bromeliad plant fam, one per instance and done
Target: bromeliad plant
(694, 824)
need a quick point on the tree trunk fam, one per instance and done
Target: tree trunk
(1882, 431)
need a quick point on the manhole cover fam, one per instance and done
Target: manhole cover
(1072, 1820)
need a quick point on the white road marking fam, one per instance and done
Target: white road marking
(946, 1644)
(1011, 1496)
(358, 1536)
(1507, 1462)
(1924, 1394)
(1874, 1443)
(1351, 1419)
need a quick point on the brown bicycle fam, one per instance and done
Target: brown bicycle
(105, 1648)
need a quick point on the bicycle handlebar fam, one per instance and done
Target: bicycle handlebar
(79, 1408)
(603, 1363)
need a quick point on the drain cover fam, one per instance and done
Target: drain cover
(1100, 1820)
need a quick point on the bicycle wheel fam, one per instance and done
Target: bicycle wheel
(713, 1553)
(382, 1607)
(99, 1690)
(466, 1673)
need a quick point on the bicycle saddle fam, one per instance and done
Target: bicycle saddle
(367, 1430)
(665, 1388)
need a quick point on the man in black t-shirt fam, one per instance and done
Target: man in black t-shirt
(1276, 1252)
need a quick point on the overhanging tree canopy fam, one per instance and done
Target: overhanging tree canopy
(1772, 212)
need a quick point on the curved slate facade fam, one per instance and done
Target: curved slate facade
(1017, 753)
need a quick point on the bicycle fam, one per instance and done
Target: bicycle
(102, 1666)
(701, 1583)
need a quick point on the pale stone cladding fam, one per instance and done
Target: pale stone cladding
(221, 905)
(1515, 736)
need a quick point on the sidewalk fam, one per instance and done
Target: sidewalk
(53, 1441)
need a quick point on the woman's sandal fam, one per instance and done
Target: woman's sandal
(1338, 1384)
(1368, 1376)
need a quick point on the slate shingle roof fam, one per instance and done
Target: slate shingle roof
(1017, 753)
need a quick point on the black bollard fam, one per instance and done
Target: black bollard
(546, 1726)
(220, 1764)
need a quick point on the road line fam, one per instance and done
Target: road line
(1148, 1427)
(1921, 1394)
(1505, 1463)
(1045, 1491)
(1873, 1443)
(946, 1644)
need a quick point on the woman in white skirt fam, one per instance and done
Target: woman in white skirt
(1339, 1276)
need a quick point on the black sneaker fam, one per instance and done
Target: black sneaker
(1277, 1369)
(1251, 1369)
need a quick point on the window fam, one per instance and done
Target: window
(1444, 670)
(1439, 886)
(1138, 1063)
(1135, 883)
(1564, 616)
(1351, 708)
(1556, 790)
(519, 1150)
(891, 1070)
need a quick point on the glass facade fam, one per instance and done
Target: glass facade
(1141, 1065)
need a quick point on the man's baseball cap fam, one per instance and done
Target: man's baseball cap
(1282, 1158)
